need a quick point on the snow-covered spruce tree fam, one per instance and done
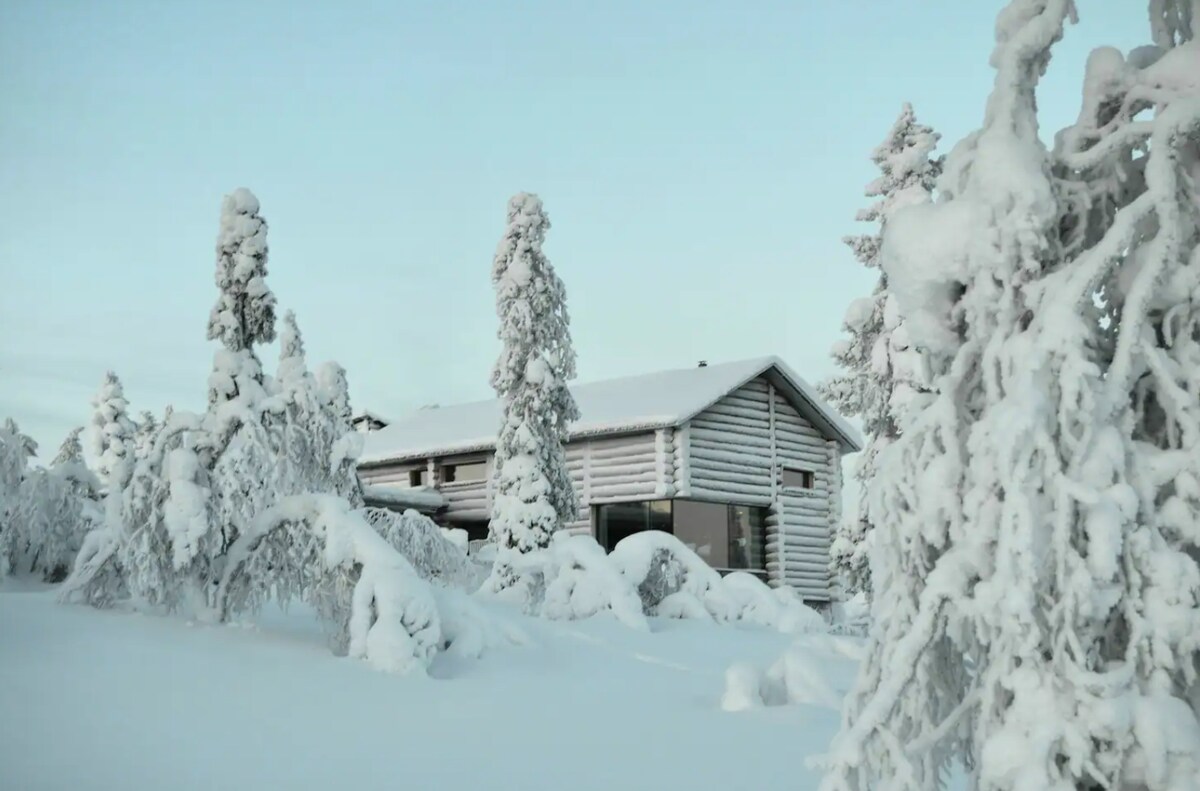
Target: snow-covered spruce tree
(877, 358)
(345, 443)
(147, 427)
(16, 449)
(65, 504)
(111, 436)
(316, 438)
(244, 314)
(533, 492)
(1037, 609)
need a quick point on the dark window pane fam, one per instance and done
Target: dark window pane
(476, 531)
(704, 527)
(618, 520)
(798, 479)
(660, 515)
(461, 473)
(418, 478)
(615, 521)
(747, 534)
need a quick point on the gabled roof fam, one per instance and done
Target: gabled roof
(614, 406)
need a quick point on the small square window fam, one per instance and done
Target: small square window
(418, 478)
(794, 478)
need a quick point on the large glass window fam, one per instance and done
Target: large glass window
(704, 527)
(615, 521)
(725, 536)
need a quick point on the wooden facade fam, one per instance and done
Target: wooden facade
(763, 443)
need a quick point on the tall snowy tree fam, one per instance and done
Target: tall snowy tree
(16, 449)
(245, 311)
(1038, 607)
(877, 359)
(533, 492)
(111, 437)
(147, 427)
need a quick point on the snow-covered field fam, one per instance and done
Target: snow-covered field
(108, 700)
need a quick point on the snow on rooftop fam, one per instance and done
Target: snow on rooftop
(649, 401)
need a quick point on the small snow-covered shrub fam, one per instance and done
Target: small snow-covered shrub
(852, 617)
(672, 580)
(468, 630)
(583, 581)
(419, 539)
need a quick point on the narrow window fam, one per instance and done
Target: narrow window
(795, 478)
(464, 472)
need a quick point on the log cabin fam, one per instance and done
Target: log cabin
(741, 461)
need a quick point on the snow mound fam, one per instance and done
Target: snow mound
(468, 631)
(796, 677)
(775, 608)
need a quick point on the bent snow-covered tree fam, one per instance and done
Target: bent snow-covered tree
(533, 492)
(880, 367)
(1038, 607)
(256, 497)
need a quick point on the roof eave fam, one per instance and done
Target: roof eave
(490, 445)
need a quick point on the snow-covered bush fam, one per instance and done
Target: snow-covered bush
(533, 492)
(796, 677)
(671, 579)
(584, 581)
(781, 609)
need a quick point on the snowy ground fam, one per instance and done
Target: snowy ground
(102, 700)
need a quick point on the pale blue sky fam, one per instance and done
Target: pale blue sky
(699, 161)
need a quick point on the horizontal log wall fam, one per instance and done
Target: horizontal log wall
(397, 475)
(800, 526)
(729, 448)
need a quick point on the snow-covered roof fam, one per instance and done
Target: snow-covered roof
(633, 403)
